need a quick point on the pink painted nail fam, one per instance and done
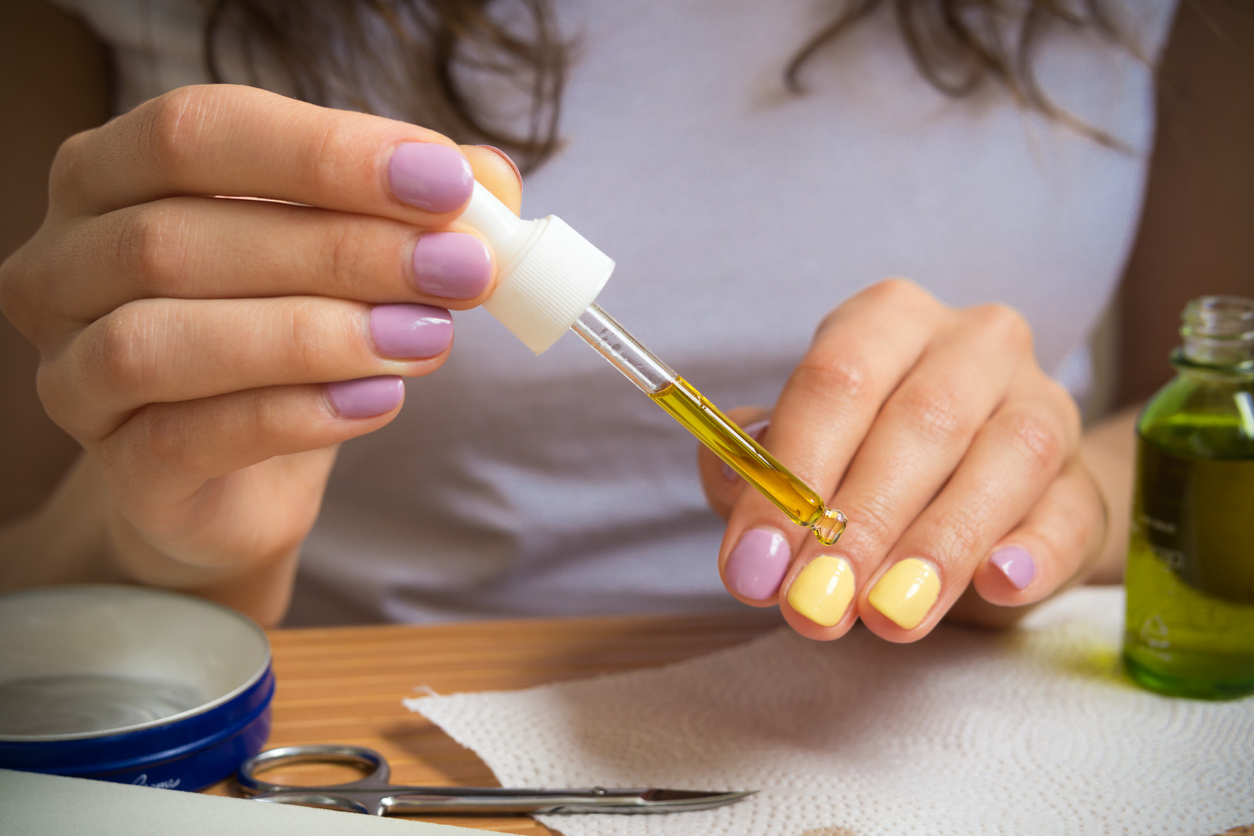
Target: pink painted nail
(410, 331)
(430, 176)
(756, 431)
(758, 563)
(1016, 564)
(366, 397)
(455, 265)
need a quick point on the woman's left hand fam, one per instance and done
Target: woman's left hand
(954, 456)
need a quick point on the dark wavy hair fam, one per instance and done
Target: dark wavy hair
(425, 58)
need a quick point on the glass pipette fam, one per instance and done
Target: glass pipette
(704, 420)
(548, 277)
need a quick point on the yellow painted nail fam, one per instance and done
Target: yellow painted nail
(823, 590)
(906, 592)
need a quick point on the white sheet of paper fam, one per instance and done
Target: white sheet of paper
(49, 805)
(1033, 731)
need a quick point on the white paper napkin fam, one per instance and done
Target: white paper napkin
(1034, 731)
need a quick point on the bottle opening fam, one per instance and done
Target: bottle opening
(1218, 331)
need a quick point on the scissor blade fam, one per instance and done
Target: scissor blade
(644, 801)
(677, 801)
(555, 802)
(687, 795)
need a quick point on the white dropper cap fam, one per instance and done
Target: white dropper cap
(547, 273)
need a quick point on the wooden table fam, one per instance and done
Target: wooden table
(345, 684)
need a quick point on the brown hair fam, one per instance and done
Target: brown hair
(415, 59)
(423, 57)
(959, 45)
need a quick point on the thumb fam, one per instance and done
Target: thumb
(497, 173)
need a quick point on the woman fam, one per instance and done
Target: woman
(210, 354)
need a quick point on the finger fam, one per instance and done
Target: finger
(228, 528)
(861, 352)
(166, 452)
(1051, 548)
(921, 435)
(207, 248)
(1010, 465)
(164, 350)
(497, 172)
(224, 139)
(721, 484)
(170, 468)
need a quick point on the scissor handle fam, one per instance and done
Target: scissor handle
(314, 753)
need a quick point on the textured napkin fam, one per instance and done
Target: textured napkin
(1033, 731)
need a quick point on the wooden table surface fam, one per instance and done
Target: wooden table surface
(345, 684)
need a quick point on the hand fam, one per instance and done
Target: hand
(954, 456)
(210, 353)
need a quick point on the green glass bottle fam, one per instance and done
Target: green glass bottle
(1190, 578)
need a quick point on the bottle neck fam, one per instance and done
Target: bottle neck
(1218, 334)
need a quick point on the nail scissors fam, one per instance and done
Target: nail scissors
(374, 795)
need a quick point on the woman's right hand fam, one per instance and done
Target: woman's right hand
(210, 353)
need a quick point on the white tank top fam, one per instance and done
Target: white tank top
(739, 215)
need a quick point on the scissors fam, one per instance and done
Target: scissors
(374, 795)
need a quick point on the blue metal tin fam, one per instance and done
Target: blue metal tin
(132, 685)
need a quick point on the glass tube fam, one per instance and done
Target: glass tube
(720, 434)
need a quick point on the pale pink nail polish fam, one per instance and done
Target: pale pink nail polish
(758, 563)
(366, 397)
(410, 332)
(454, 265)
(430, 176)
(1016, 563)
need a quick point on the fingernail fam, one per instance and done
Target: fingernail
(758, 563)
(1015, 562)
(507, 159)
(366, 397)
(410, 331)
(430, 176)
(823, 590)
(906, 592)
(756, 431)
(454, 265)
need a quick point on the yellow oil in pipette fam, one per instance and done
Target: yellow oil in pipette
(745, 456)
(704, 420)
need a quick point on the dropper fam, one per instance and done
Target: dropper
(548, 277)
